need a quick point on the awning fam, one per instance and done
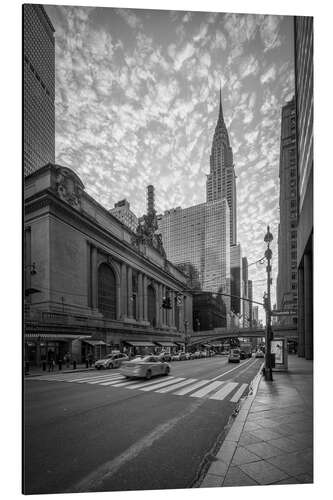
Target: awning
(94, 342)
(166, 344)
(180, 343)
(206, 345)
(139, 343)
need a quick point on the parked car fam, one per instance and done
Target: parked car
(234, 356)
(203, 354)
(146, 367)
(259, 354)
(187, 355)
(111, 361)
(164, 356)
(178, 356)
(197, 355)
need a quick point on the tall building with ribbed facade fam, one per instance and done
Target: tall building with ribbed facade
(303, 34)
(286, 290)
(199, 237)
(38, 89)
(221, 180)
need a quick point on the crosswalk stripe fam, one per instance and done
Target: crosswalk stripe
(118, 378)
(223, 393)
(113, 381)
(176, 386)
(162, 384)
(236, 397)
(100, 377)
(191, 388)
(207, 389)
(146, 384)
(125, 384)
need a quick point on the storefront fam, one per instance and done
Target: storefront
(42, 348)
(138, 348)
(169, 347)
(94, 350)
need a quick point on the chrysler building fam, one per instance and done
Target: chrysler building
(221, 181)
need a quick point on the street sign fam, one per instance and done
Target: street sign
(284, 313)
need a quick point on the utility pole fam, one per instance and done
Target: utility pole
(269, 334)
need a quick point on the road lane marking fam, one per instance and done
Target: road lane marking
(192, 387)
(162, 384)
(248, 367)
(206, 390)
(223, 393)
(176, 386)
(97, 478)
(236, 397)
(232, 369)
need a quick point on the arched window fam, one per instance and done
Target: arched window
(151, 305)
(107, 291)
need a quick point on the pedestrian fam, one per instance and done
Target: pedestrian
(90, 359)
(67, 359)
(60, 363)
(51, 364)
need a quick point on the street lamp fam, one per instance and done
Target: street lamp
(267, 304)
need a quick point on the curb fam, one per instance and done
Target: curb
(217, 471)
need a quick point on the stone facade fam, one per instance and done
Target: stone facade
(90, 280)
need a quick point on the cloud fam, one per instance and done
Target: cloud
(269, 32)
(186, 53)
(130, 18)
(248, 66)
(269, 75)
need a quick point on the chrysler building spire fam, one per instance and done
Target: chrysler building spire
(221, 111)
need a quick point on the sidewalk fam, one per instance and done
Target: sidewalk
(271, 439)
(37, 371)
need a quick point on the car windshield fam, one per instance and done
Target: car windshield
(235, 351)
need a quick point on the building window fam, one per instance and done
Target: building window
(107, 291)
(292, 172)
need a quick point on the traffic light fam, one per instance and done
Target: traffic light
(166, 303)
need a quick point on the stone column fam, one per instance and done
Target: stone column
(145, 299)
(308, 311)
(140, 297)
(300, 319)
(129, 293)
(172, 312)
(123, 287)
(94, 278)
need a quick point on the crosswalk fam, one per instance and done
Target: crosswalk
(217, 390)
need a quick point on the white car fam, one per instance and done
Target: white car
(259, 354)
(111, 361)
(146, 367)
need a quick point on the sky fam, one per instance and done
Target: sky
(137, 99)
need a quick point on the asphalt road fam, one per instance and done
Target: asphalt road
(81, 435)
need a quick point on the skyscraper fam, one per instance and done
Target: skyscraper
(38, 88)
(287, 239)
(221, 181)
(303, 27)
(198, 237)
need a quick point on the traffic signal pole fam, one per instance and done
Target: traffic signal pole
(268, 334)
